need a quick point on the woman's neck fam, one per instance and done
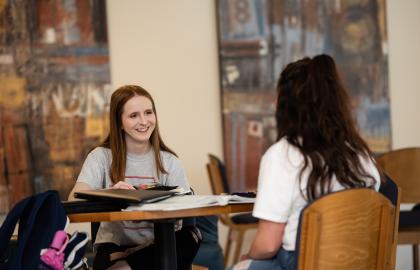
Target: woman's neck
(138, 149)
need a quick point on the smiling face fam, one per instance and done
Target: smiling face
(138, 121)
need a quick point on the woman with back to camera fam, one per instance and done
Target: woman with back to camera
(131, 155)
(318, 151)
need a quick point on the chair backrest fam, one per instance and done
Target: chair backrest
(217, 174)
(403, 166)
(391, 191)
(350, 229)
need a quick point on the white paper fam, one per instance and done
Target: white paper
(189, 202)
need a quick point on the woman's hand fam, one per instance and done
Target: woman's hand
(244, 257)
(123, 185)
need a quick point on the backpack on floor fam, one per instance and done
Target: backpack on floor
(66, 252)
(39, 217)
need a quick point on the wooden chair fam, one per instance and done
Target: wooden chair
(351, 229)
(403, 166)
(237, 224)
(391, 191)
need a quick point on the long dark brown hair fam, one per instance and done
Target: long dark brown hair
(116, 137)
(313, 114)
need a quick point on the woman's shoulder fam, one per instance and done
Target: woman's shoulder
(283, 151)
(100, 150)
(167, 156)
(281, 147)
(170, 160)
(100, 153)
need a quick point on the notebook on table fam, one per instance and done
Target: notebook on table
(126, 195)
(93, 206)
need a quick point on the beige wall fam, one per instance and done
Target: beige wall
(170, 48)
(404, 68)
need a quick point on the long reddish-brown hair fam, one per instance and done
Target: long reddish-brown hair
(116, 137)
(313, 113)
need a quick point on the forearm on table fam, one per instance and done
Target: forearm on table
(79, 186)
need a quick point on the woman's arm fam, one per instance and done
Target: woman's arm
(268, 240)
(79, 186)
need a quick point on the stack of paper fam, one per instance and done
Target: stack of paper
(190, 201)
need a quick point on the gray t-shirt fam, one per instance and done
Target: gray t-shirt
(140, 169)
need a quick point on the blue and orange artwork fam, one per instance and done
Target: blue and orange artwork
(257, 38)
(54, 93)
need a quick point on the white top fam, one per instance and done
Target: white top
(140, 169)
(279, 197)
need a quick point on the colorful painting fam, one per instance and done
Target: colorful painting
(257, 38)
(54, 93)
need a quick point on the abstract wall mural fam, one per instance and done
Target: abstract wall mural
(257, 38)
(54, 92)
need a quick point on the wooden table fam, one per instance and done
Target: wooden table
(164, 224)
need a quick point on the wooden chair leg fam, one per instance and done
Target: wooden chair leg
(238, 247)
(416, 257)
(228, 244)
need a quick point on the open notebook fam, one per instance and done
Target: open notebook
(127, 195)
(190, 201)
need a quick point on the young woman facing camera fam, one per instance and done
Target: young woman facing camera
(133, 154)
(318, 151)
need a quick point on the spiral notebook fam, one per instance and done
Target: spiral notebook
(127, 195)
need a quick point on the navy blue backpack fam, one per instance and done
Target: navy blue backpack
(39, 217)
